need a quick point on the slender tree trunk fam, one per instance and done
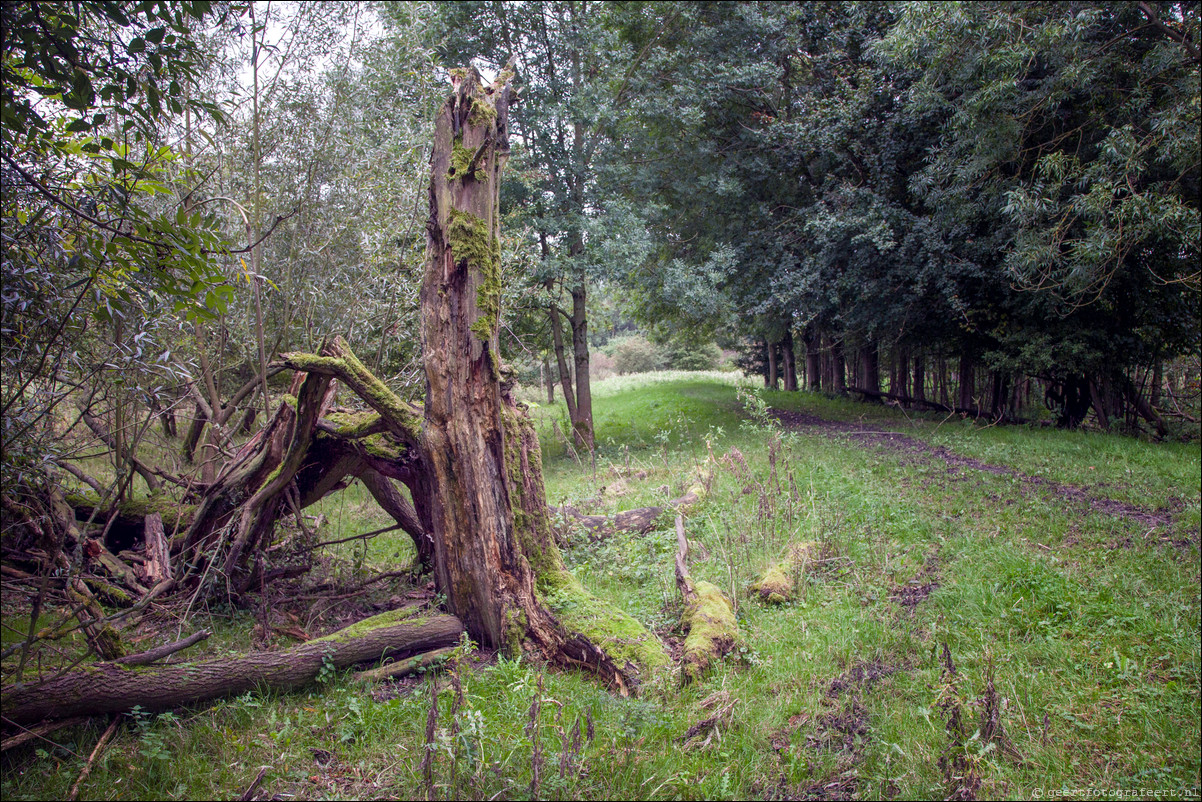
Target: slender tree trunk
(870, 374)
(548, 380)
(192, 438)
(773, 378)
(941, 380)
(920, 393)
(1157, 381)
(838, 368)
(813, 343)
(582, 424)
(565, 377)
(966, 380)
(790, 362)
(1000, 390)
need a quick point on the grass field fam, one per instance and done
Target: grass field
(1058, 573)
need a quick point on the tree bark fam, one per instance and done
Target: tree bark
(196, 428)
(561, 362)
(838, 383)
(772, 381)
(582, 424)
(870, 373)
(548, 380)
(966, 377)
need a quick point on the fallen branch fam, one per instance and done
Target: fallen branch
(406, 666)
(363, 536)
(87, 767)
(640, 519)
(249, 793)
(159, 652)
(39, 732)
(708, 615)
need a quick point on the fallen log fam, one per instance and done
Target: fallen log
(708, 615)
(640, 520)
(109, 688)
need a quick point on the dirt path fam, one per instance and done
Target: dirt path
(918, 451)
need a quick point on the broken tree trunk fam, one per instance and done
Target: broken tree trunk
(111, 688)
(484, 502)
(639, 519)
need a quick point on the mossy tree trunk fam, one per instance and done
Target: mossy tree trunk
(484, 503)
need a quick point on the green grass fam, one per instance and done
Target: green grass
(1090, 622)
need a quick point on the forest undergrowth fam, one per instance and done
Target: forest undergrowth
(975, 612)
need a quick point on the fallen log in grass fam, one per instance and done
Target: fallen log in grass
(708, 615)
(112, 688)
(640, 519)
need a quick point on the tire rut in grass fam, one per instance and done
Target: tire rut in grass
(901, 444)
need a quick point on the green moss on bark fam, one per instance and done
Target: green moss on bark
(619, 634)
(174, 514)
(482, 113)
(471, 240)
(365, 383)
(713, 629)
(353, 424)
(360, 628)
(461, 161)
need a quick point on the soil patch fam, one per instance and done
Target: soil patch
(916, 590)
(904, 445)
(843, 729)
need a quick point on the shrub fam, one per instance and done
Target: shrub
(636, 355)
(693, 356)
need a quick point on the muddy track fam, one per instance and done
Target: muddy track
(918, 451)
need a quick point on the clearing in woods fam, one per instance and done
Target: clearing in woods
(975, 612)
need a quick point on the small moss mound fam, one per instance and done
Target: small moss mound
(779, 581)
(775, 586)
